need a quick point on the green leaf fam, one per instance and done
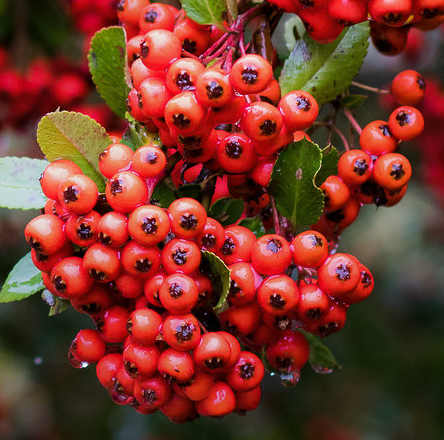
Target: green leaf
(227, 210)
(56, 305)
(254, 224)
(163, 195)
(108, 65)
(220, 275)
(76, 137)
(353, 101)
(136, 135)
(330, 157)
(321, 358)
(326, 70)
(289, 29)
(23, 281)
(19, 185)
(292, 183)
(192, 190)
(205, 11)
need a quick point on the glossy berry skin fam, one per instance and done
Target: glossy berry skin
(45, 234)
(406, 123)
(408, 87)
(278, 294)
(199, 387)
(152, 393)
(313, 303)
(133, 48)
(331, 323)
(178, 294)
(78, 193)
(55, 173)
(148, 225)
(289, 352)
(299, 110)
(70, 279)
(156, 16)
(212, 236)
(94, 303)
(310, 249)
(149, 161)
(261, 121)
(243, 284)
(112, 326)
(355, 167)
(88, 346)
(392, 171)
(107, 368)
(181, 332)
(339, 274)
(236, 154)
(181, 256)
(183, 75)
(213, 88)
(125, 191)
(112, 229)
(235, 348)
(175, 364)
(144, 326)
(128, 286)
(159, 48)
(237, 245)
(247, 373)
(139, 360)
(129, 11)
(390, 12)
(204, 287)
(251, 74)
(348, 12)
(151, 289)
(213, 352)
(179, 409)
(153, 97)
(82, 230)
(271, 255)
(364, 288)
(219, 402)
(122, 391)
(336, 193)
(45, 263)
(115, 158)
(272, 93)
(188, 217)
(320, 25)
(102, 263)
(195, 38)
(248, 400)
(377, 138)
(139, 260)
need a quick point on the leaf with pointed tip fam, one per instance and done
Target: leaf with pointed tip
(205, 11)
(329, 167)
(108, 64)
(163, 195)
(19, 185)
(76, 137)
(321, 359)
(23, 281)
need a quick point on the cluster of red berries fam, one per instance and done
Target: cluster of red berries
(229, 114)
(90, 16)
(137, 270)
(390, 20)
(46, 84)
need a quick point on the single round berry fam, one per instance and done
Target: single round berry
(271, 255)
(278, 294)
(310, 249)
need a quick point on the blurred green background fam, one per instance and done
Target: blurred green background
(392, 348)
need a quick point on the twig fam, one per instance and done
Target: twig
(276, 221)
(369, 88)
(352, 120)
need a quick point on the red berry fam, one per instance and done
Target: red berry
(278, 294)
(310, 249)
(88, 346)
(181, 332)
(188, 218)
(144, 326)
(117, 157)
(56, 173)
(408, 87)
(45, 234)
(251, 74)
(148, 225)
(70, 279)
(392, 171)
(271, 255)
(406, 123)
(299, 110)
(78, 193)
(178, 293)
(219, 402)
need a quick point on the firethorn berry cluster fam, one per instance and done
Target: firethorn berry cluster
(90, 16)
(229, 113)
(390, 20)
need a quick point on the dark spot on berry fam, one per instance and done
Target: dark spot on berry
(84, 231)
(268, 127)
(360, 167)
(144, 49)
(284, 363)
(282, 322)
(70, 194)
(150, 16)
(41, 257)
(274, 245)
(103, 154)
(335, 216)
(246, 371)
(181, 121)
(429, 13)
(302, 103)
(233, 149)
(403, 118)
(36, 245)
(129, 326)
(208, 240)
(384, 45)
(179, 257)
(420, 81)
(59, 284)
(151, 157)
(104, 239)
(366, 279)
(183, 81)
(385, 130)
(214, 90)
(190, 142)
(121, 5)
(184, 332)
(393, 17)
(149, 396)
(328, 329)
(97, 275)
(213, 363)
(188, 222)
(175, 290)
(308, 3)
(189, 45)
(276, 301)
(140, 100)
(149, 225)
(313, 313)
(343, 272)
(131, 368)
(143, 265)
(316, 241)
(249, 75)
(397, 171)
(116, 187)
(228, 246)
(234, 288)
(91, 308)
